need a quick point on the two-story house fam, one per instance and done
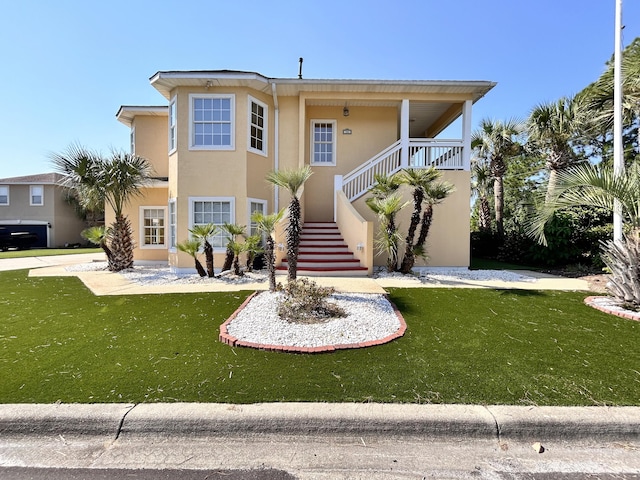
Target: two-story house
(221, 132)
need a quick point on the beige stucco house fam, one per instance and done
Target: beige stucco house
(220, 132)
(37, 204)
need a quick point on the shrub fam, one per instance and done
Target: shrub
(306, 302)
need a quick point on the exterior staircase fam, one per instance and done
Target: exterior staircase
(323, 252)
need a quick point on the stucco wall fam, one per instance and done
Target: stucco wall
(151, 139)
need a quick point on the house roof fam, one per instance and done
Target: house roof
(126, 113)
(40, 178)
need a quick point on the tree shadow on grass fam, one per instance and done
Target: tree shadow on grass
(523, 293)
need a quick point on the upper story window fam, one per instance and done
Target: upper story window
(172, 125)
(4, 195)
(153, 227)
(173, 224)
(212, 121)
(323, 145)
(133, 140)
(257, 126)
(216, 210)
(36, 195)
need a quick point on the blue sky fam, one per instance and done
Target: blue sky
(68, 65)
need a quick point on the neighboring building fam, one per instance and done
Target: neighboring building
(37, 204)
(221, 132)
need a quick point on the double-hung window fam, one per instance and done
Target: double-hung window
(4, 194)
(215, 210)
(212, 124)
(36, 195)
(172, 125)
(257, 126)
(323, 144)
(255, 205)
(172, 223)
(153, 227)
(133, 140)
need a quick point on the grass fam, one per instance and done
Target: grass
(58, 342)
(46, 252)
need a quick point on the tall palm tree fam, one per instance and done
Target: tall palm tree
(115, 181)
(551, 128)
(388, 241)
(419, 180)
(496, 142)
(231, 230)
(191, 247)
(292, 180)
(481, 187)
(202, 234)
(599, 186)
(267, 225)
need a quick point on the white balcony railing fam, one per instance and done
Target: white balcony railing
(422, 153)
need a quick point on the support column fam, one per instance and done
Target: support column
(466, 135)
(404, 133)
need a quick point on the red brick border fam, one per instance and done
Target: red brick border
(230, 340)
(591, 301)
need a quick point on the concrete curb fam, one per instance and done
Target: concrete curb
(197, 420)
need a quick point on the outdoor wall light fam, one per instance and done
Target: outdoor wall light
(345, 111)
(360, 247)
(280, 247)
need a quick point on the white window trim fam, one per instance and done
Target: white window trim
(31, 187)
(334, 124)
(143, 246)
(231, 200)
(173, 126)
(249, 212)
(265, 130)
(230, 96)
(133, 141)
(8, 196)
(173, 228)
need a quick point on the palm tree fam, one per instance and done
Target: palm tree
(202, 234)
(419, 180)
(481, 187)
(267, 225)
(386, 208)
(237, 248)
(496, 142)
(599, 186)
(98, 236)
(385, 185)
(253, 248)
(551, 129)
(191, 247)
(292, 180)
(114, 181)
(232, 231)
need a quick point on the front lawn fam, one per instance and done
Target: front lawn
(58, 342)
(47, 252)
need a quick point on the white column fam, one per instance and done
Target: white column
(404, 133)
(466, 135)
(618, 156)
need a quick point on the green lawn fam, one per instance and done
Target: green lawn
(58, 342)
(46, 252)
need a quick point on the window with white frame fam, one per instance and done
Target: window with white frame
(172, 223)
(133, 140)
(257, 126)
(36, 195)
(4, 194)
(323, 145)
(216, 210)
(172, 125)
(255, 205)
(212, 121)
(153, 227)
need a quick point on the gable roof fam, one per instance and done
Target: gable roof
(40, 178)
(126, 113)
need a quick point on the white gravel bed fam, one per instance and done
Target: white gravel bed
(369, 317)
(444, 274)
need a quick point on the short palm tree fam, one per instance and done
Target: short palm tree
(599, 186)
(98, 236)
(232, 231)
(114, 181)
(202, 234)
(267, 225)
(292, 180)
(253, 248)
(551, 128)
(496, 142)
(388, 240)
(192, 247)
(238, 249)
(435, 193)
(385, 185)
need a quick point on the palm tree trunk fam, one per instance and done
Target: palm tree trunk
(208, 255)
(551, 186)
(427, 218)
(121, 245)
(228, 260)
(498, 189)
(484, 215)
(409, 257)
(269, 257)
(293, 238)
(199, 268)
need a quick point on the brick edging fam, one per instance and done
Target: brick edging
(591, 301)
(232, 341)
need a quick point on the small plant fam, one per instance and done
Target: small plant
(306, 302)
